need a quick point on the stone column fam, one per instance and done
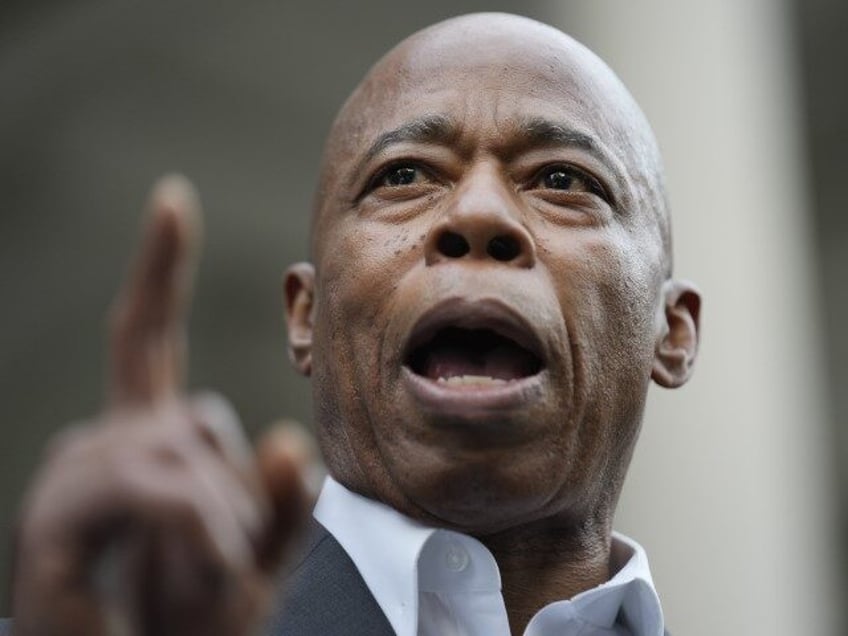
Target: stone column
(730, 489)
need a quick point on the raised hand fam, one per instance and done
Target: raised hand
(157, 518)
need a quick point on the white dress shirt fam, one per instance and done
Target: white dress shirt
(434, 582)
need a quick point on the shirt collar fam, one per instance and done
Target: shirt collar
(385, 547)
(629, 597)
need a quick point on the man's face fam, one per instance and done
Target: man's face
(487, 297)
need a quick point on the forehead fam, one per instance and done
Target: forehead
(492, 76)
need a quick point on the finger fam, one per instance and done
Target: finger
(190, 546)
(281, 456)
(302, 448)
(148, 341)
(227, 449)
(203, 558)
(220, 427)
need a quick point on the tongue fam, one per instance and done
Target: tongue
(503, 362)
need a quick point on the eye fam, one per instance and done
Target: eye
(400, 175)
(568, 179)
(401, 180)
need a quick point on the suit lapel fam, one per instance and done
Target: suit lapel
(325, 595)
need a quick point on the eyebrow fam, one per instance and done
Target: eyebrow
(533, 132)
(538, 131)
(427, 129)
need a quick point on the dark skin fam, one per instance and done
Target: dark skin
(508, 191)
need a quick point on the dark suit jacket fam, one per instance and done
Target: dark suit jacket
(325, 595)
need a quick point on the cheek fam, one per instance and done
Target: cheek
(357, 289)
(630, 299)
(607, 297)
(608, 294)
(364, 263)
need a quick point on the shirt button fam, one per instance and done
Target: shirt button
(456, 558)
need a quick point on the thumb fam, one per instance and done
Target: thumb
(288, 463)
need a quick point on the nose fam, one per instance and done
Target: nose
(481, 222)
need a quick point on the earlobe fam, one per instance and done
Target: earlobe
(677, 334)
(299, 291)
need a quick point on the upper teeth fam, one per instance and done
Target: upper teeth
(464, 380)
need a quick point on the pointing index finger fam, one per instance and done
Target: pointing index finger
(148, 343)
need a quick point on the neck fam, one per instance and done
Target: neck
(545, 561)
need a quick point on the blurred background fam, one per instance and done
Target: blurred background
(739, 489)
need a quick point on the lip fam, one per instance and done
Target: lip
(482, 401)
(486, 313)
(473, 402)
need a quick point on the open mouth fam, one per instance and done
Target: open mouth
(458, 356)
(473, 345)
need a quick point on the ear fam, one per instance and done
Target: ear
(299, 290)
(677, 334)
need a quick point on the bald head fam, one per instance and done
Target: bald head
(515, 54)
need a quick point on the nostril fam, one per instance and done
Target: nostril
(503, 248)
(453, 245)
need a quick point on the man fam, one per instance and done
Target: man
(489, 297)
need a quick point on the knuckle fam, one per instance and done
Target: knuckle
(219, 427)
(215, 411)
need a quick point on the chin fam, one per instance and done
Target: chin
(477, 492)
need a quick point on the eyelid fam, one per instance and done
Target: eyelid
(380, 173)
(593, 184)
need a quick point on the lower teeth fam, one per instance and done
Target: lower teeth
(471, 380)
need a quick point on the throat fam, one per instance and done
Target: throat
(539, 567)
